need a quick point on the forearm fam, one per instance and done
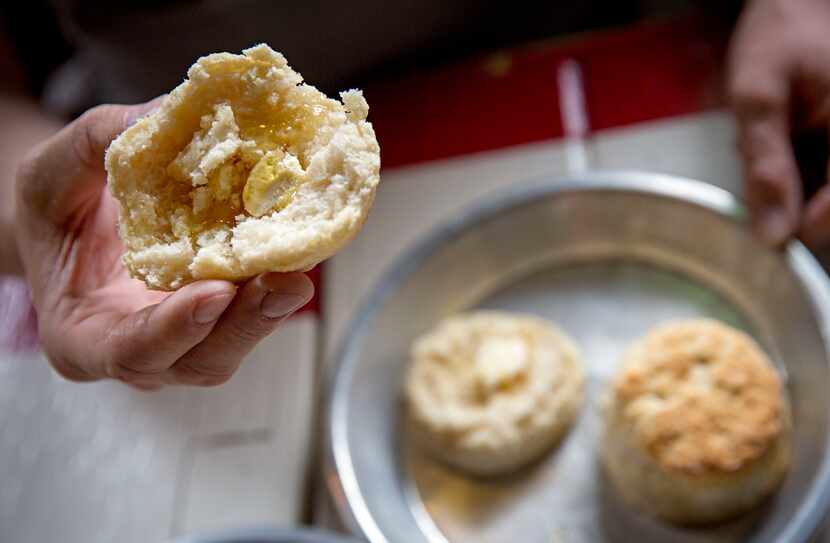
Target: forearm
(24, 125)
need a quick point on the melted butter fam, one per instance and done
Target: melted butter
(271, 185)
(284, 129)
(223, 208)
(500, 363)
(276, 130)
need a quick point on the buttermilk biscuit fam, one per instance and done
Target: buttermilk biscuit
(243, 169)
(697, 427)
(489, 391)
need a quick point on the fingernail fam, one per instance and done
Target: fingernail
(212, 308)
(277, 304)
(773, 226)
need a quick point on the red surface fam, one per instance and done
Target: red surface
(316, 276)
(649, 71)
(466, 108)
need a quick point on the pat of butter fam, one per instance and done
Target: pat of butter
(272, 183)
(499, 362)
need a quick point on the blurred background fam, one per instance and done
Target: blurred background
(467, 98)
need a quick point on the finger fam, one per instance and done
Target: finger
(60, 174)
(759, 78)
(145, 344)
(772, 183)
(66, 368)
(773, 188)
(134, 113)
(257, 310)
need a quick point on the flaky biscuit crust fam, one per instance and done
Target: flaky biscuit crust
(181, 214)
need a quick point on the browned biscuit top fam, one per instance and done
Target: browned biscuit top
(700, 396)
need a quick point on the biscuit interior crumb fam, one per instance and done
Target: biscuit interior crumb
(241, 148)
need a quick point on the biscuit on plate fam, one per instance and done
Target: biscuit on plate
(697, 424)
(243, 169)
(489, 392)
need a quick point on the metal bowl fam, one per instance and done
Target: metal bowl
(606, 257)
(268, 535)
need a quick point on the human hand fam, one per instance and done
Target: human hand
(779, 84)
(96, 322)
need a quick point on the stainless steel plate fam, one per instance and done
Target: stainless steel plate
(605, 257)
(267, 535)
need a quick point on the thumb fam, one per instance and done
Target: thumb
(137, 111)
(61, 175)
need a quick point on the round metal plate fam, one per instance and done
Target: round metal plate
(606, 257)
(268, 535)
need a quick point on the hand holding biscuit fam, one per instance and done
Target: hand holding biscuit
(95, 321)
